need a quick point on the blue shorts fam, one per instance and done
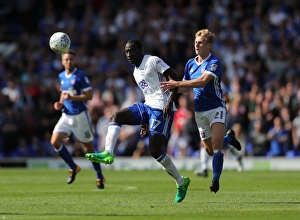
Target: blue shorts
(158, 125)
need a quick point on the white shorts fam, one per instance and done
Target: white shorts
(80, 125)
(205, 120)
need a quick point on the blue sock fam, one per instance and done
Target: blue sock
(227, 140)
(217, 164)
(97, 168)
(66, 156)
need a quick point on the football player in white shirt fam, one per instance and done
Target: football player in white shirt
(203, 73)
(155, 115)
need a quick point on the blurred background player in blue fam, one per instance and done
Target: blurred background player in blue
(155, 115)
(203, 73)
(75, 119)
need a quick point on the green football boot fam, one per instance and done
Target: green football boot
(181, 190)
(101, 157)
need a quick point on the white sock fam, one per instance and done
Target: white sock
(170, 168)
(204, 158)
(112, 136)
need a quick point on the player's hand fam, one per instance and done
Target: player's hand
(66, 95)
(144, 129)
(167, 110)
(58, 106)
(171, 84)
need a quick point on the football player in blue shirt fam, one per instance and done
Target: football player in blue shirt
(203, 73)
(155, 115)
(75, 119)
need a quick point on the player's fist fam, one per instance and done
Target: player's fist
(144, 129)
(58, 105)
(66, 95)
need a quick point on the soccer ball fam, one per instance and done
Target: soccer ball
(59, 42)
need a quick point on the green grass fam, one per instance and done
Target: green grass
(44, 194)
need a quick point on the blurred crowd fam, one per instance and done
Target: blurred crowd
(258, 42)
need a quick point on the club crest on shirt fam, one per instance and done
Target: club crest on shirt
(72, 81)
(202, 134)
(213, 67)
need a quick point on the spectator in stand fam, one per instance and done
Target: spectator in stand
(12, 91)
(10, 132)
(278, 137)
(296, 134)
(257, 143)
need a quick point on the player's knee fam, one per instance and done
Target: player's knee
(155, 153)
(209, 151)
(55, 143)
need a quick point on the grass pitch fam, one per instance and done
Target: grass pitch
(43, 194)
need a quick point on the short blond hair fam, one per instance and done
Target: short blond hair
(69, 52)
(210, 37)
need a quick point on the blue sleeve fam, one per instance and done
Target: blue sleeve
(84, 80)
(186, 75)
(214, 66)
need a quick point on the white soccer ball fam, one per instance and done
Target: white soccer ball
(59, 42)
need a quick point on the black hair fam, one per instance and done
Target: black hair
(135, 42)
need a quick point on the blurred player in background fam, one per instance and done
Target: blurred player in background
(75, 92)
(155, 115)
(203, 73)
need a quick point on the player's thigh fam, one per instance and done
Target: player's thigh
(158, 125)
(127, 116)
(136, 114)
(203, 125)
(217, 119)
(82, 127)
(61, 130)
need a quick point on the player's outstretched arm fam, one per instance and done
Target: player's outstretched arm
(173, 93)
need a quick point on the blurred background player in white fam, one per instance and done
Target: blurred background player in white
(75, 119)
(203, 73)
(155, 115)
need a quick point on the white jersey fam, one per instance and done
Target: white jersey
(148, 77)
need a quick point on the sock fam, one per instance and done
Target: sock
(170, 168)
(97, 168)
(227, 140)
(112, 136)
(66, 156)
(217, 164)
(204, 157)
